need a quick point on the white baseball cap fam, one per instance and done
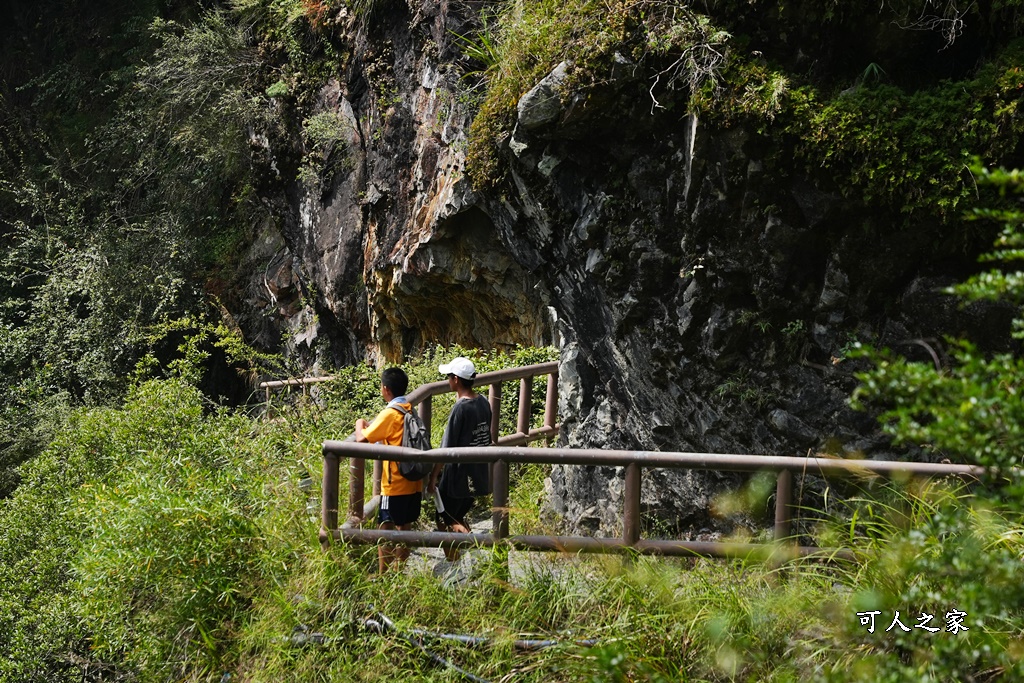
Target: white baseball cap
(460, 367)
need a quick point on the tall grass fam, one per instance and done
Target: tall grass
(170, 540)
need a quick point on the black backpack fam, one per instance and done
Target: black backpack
(414, 435)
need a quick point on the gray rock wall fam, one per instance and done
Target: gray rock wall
(708, 307)
(387, 249)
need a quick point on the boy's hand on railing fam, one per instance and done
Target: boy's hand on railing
(433, 478)
(361, 425)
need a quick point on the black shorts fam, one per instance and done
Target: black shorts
(455, 510)
(400, 510)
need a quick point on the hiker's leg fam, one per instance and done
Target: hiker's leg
(385, 551)
(403, 511)
(443, 524)
(401, 551)
(459, 527)
(453, 519)
(461, 508)
(450, 525)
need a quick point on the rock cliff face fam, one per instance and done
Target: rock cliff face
(392, 251)
(707, 307)
(702, 303)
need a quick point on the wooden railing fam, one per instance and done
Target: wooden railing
(634, 462)
(422, 399)
(301, 382)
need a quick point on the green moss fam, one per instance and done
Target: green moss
(532, 37)
(295, 37)
(881, 144)
(909, 150)
(899, 148)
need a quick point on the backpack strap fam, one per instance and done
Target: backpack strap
(404, 414)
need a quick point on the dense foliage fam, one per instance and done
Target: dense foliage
(957, 407)
(140, 537)
(136, 152)
(966, 409)
(127, 189)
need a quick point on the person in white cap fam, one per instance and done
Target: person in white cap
(457, 484)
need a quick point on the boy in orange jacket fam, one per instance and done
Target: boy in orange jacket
(400, 499)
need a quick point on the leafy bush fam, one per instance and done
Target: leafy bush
(962, 553)
(187, 508)
(41, 631)
(139, 537)
(295, 37)
(104, 237)
(936, 556)
(172, 540)
(916, 161)
(325, 134)
(970, 410)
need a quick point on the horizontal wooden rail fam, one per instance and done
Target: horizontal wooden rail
(721, 462)
(585, 544)
(434, 388)
(634, 462)
(519, 438)
(302, 382)
(484, 379)
(294, 382)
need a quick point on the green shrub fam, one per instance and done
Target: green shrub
(930, 551)
(42, 636)
(969, 410)
(531, 37)
(959, 552)
(172, 540)
(166, 568)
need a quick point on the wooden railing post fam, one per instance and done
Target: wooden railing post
(551, 401)
(499, 497)
(783, 494)
(329, 500)
(356, 487)
(551, 405)
(494, 398)
(427, 413)
(378, 472)
(525, 400)
(631, 505)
